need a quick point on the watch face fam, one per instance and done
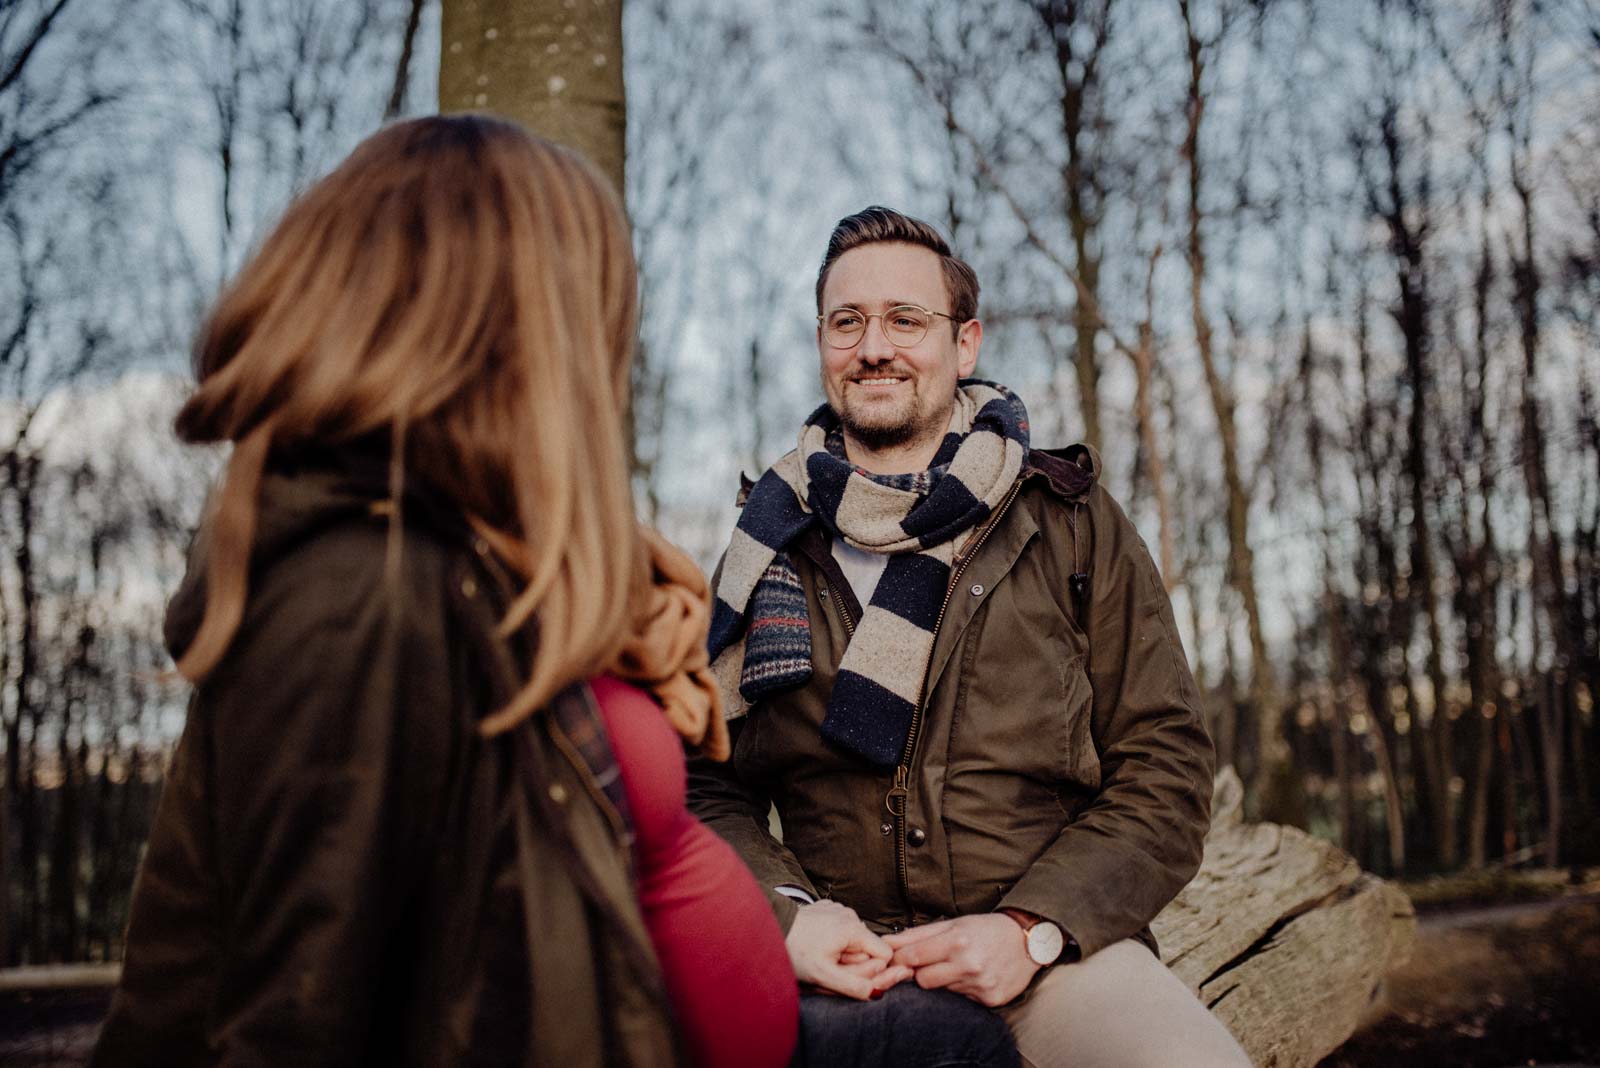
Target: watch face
(1045, 942)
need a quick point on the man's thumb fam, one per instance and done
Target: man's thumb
(843, 981)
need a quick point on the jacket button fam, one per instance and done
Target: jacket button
(885, 828)
(822, 591)
(469, 587)
(977, 589)
(558, 794)
(917, 836)
(480, 546)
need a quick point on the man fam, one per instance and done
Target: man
(950, 663)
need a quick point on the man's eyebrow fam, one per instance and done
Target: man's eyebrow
(892, 302)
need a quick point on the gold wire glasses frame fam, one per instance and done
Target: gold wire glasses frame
(904, 324)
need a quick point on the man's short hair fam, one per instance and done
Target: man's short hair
(878, 224)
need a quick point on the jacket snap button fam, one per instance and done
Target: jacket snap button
(885, 828)
(469, 587)
(917, 836)
(977, 589)
(558, 794)
(480, 546)
(822, 591)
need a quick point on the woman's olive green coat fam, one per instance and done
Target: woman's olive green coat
(342, 870)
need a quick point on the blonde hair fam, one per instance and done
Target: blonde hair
(470, 289)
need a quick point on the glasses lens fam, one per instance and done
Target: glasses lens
(844, 326)
(905, 325)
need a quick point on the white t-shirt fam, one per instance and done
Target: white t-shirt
(861, 568)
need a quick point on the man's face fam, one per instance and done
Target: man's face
(890, 395)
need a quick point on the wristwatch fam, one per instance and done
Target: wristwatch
(1044, 940)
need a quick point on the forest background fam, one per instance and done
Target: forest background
(1321, 282)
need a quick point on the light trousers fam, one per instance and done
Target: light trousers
(1121, 1008)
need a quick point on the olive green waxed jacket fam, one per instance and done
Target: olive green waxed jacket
(342, 869)
(1058, 763)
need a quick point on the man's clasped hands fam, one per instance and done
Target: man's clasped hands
(982, 956)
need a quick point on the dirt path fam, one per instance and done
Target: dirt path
(1490, 915)
(1490, 987)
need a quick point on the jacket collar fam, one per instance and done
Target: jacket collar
(1070, 472)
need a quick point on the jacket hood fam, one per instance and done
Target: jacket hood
(302, 493)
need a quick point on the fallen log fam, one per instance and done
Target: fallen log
(1282, 935)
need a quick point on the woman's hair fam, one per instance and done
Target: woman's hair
(469, 289)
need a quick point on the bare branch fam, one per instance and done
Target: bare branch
(19, 62)
(402, 70)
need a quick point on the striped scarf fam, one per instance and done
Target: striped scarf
(760, 638)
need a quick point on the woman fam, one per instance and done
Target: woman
(394, 831)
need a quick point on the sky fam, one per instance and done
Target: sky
(753, 128)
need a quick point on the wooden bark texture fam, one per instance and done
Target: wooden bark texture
(1282, 935)
(553, 65)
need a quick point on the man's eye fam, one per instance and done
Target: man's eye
(846, 321)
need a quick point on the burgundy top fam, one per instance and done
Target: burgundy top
(720, 947)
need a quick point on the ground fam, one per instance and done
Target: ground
(51, 1029)
(1491, 985)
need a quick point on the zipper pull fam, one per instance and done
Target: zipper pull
(899, 791)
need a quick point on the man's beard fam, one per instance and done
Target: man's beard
(880, 436)
(892, 433)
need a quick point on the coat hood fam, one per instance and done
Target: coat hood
(302, 494)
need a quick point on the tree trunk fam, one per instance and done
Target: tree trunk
(554, 67)
(62, 914)
(1406, 240)
(1066, 22)
(22, 469)
(5, 872)
(1551, 733)
(1149, 439)
(1477, 580)
(1272, 764)
(1393, 803)
(1342, 687)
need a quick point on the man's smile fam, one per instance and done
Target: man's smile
(879, 378)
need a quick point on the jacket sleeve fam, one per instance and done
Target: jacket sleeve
(1139, 842)
(738, 811)
(329, 729)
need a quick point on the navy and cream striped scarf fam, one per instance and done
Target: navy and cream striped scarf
(760, 633)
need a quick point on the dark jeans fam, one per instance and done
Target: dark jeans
(908, 1027)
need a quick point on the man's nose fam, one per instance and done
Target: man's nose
(875, 346)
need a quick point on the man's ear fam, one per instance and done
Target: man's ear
(969, 339)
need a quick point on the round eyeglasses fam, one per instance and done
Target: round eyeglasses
(904, 324)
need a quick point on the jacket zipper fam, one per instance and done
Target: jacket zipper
(895, 800)
(844, 614)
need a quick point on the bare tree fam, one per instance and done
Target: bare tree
(1201, 51)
